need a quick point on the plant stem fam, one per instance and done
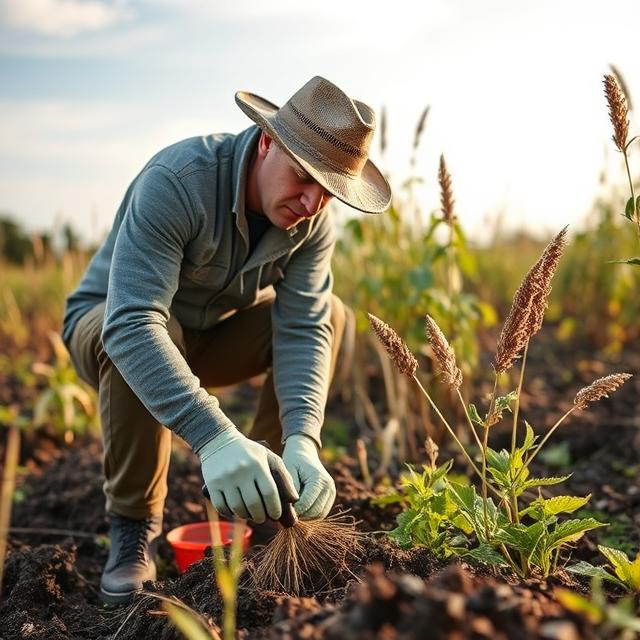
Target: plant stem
(633, 198)
(514, 508)
(485, 441)
(514, 431)
(450, 266)
(466, 413)
(493, 396)
(11, 456)
(517, 407)
(537, 449)
(452, 433)
(484, 481)
(509, 559)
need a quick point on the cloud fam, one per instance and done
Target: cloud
(62, 18)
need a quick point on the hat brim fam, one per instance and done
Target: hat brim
(369, 192)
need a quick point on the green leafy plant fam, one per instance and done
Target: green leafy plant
(227, 571)
(626, 573)
(188, 622)
(424, 261)
(616, 621)
(427, 508)
(66, 401)
(509, 527)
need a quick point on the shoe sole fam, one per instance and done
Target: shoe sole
(114, 597)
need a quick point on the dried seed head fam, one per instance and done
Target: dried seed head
(529, 304)
(600, 388)
(618, 111)
(546, 268)
(446, 192)
(383, 130)
(431, 449)
(420, 127)
(398, 351)
(620, 78)
(444, 354)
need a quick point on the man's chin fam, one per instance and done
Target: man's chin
(289, 219)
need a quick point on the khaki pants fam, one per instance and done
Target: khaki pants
(136, 447)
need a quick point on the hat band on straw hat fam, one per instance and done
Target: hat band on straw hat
(347, 167)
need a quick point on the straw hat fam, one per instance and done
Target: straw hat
(329, 134)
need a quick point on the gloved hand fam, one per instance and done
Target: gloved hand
(237, 472)
(310, 478)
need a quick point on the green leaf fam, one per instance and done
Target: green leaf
(503, 402)
(629, 261)
(629, 209)
(541, 508)
(529, 439)
(545, 482)
(521, 537)
(638, 206)
(440, 472)
(487, 554)
(577, 604)
(616, 557)
(474, 415)
(583, 568)
(187, 622)
(571, 530)
(502, 479)
(388, 498)
(498, 460)
(626, 570)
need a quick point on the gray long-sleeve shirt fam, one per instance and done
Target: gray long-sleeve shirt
(179, 244)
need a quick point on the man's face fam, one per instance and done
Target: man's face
(288, 194)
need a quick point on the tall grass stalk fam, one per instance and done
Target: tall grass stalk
(227, 572)
(11, 456)
(618, 114)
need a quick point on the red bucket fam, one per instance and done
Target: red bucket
(190, 540)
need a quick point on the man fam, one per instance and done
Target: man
(217, 268)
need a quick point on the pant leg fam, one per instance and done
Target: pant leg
(137, 447)
(240, 348)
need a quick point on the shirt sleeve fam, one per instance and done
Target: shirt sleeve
(303, 335)
(145, 269)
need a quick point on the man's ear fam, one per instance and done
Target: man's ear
(264, 144)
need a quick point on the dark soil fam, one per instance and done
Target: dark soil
(51, 579)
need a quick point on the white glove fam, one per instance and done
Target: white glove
(310, 478)
(237, 472)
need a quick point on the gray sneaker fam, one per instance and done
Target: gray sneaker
(131, 557)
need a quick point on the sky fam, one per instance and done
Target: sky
(90, 89)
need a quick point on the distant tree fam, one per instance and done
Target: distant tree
(15, 244)
(71, 238)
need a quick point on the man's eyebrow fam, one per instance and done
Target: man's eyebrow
(301, 171)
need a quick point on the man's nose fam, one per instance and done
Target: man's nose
(312, 198)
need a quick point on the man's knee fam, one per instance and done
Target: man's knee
(87, 349)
